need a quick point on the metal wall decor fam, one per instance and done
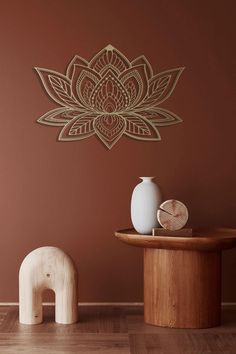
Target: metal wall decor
(109, 96)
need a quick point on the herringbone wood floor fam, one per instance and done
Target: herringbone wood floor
(111, 330)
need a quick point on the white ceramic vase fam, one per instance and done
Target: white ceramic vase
(145, 201)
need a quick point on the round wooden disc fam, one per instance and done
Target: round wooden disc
(172, 215)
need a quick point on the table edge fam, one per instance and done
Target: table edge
(207, 243)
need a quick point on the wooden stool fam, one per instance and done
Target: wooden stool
(48, 268)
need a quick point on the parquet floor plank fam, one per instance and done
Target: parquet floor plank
(112, 330)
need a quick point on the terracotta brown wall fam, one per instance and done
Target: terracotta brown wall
(74, 195)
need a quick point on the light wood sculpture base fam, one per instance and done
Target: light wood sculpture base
(48, 268)
(182, 289)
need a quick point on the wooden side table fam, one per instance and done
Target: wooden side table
(182, 276)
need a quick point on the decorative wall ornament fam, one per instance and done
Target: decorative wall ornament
(109, 96)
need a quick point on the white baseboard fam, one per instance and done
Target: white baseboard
(82, 303)
(223, 304)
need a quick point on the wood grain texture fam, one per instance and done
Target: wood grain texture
(203, 240)
(159, 231)
(112, 330)
(48, 268)
(64, 344)
(172, 215)
(187, 343)
(182, 289)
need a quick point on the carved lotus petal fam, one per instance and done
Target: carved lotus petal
(109, 95)
(160, 117)
(83, 83)
(77, 60)
(78, 128)
(58, 116)
(109, 128)
(161, 86)
(140, 128)
(109, 57)
(135, 83)
(143, 61)
(57, 86)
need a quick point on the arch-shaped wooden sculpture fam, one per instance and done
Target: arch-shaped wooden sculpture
(48, 268)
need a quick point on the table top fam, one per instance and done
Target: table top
(202, 240)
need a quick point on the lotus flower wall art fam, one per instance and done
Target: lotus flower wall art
(109, 96)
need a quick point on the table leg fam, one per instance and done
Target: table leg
(182, 289)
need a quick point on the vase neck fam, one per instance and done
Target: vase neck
(147, 179)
